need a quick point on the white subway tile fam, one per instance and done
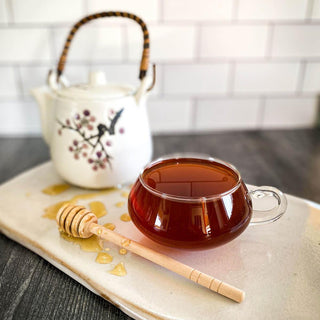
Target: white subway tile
(76, 74)
(91, 44)
(119, 73)
(167, 115)
(197, 10)
(36, 76)
(265, 77)
(167, 43)
(21, 118)
(233, 41)
(221, 114)
(127, 74)
(147, 10)
(272, 9)
(8, 82)
(289, 113)
(47, 11)
(195, 79)
(3, 12)
(311, 81)
(296, 41)
(20, 45)
(316, 10)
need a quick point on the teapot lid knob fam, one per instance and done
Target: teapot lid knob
(97, 78)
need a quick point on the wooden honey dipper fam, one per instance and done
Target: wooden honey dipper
(81, 223)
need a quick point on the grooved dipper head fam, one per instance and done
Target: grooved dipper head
(75, 220)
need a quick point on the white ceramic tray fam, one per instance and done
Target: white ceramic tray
(276, 264)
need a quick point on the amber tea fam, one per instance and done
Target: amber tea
(190, 203)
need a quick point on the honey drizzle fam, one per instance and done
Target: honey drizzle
(51, 211)
(125, 242)
(125, 217)
(91, 244)
(98, 208)
(56, 189)
(109, 226)
(120, 204)
(104, 258)
(119, 270)
(85, 196)
(123, 251)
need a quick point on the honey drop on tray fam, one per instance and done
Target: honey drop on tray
(123, 251)
(125, 217)
(104, 258)
(98, 208)
(91, 244)
(120, 204)
(51, 211)
(56, 189)
(119, 270)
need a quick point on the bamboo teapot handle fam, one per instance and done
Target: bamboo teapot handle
(146, 41)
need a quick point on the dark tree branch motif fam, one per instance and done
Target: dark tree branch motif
(80, 124)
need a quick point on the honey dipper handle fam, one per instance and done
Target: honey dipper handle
(169, 263)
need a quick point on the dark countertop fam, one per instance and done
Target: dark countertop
(31, 288)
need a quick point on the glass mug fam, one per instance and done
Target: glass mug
(198, 202)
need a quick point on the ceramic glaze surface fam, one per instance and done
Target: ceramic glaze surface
(98, 133)
(109, 159)
(277, 264)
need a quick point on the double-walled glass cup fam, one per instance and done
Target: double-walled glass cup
(198, 222)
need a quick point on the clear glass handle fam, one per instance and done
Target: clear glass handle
(269, 204)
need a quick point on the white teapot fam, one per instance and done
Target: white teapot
(98, 132)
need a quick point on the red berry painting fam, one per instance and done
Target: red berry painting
(92, 140)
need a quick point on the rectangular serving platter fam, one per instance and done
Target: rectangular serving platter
(277, 264)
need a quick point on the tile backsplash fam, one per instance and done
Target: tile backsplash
(221, 65)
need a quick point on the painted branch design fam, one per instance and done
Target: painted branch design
(93, 146)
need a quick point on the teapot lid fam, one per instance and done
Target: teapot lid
(96, 88)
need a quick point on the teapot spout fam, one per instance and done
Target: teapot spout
(44, 98)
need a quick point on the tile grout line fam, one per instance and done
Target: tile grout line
(309, 10)
(16, 98)
(18, 80)
(270, 36)
(162, 94)
(301, 77)
(125, 43)
(261, 113)
(205, 97)
(9, 9)
(165, 62)
(161, 11)
(235, 11)
(85, 7)
(237, 95)
(193, 120)
(186, 23)
(231, 79)
(52, 45)
(197, 43)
